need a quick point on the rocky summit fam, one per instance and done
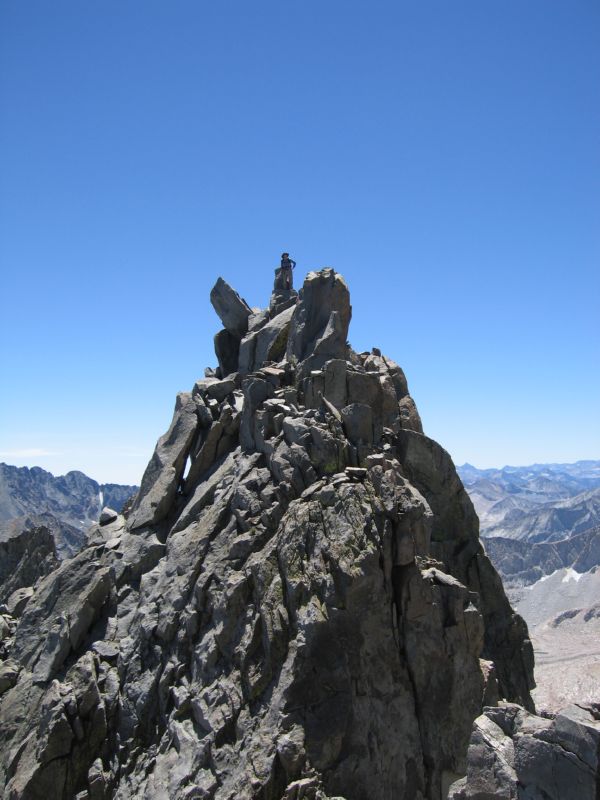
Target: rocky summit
(296, 604)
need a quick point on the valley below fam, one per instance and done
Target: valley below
(562, 611)
(567, 663)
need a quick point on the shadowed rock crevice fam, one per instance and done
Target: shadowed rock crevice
(296, 606)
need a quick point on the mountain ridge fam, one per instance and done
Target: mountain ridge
(522, 563)
(75, 500)
(538, 502)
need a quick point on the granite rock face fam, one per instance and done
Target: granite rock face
(296, 606)
(165, 470)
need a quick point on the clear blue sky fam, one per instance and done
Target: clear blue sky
(443, 156)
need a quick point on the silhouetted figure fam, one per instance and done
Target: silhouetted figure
(287, 265)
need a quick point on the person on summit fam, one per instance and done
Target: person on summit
(287, 265)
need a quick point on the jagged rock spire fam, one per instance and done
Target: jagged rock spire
(298, 604)
(319, 329)
(312, 324)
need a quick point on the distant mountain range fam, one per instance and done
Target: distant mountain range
(66, 505)
(523, 563)
(538, 503)
(542, 532)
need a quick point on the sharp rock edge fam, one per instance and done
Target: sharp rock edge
(296, 604)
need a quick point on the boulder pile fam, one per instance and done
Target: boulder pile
(296, 605)
(514, 754)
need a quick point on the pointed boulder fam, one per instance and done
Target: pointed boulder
(232, 310)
